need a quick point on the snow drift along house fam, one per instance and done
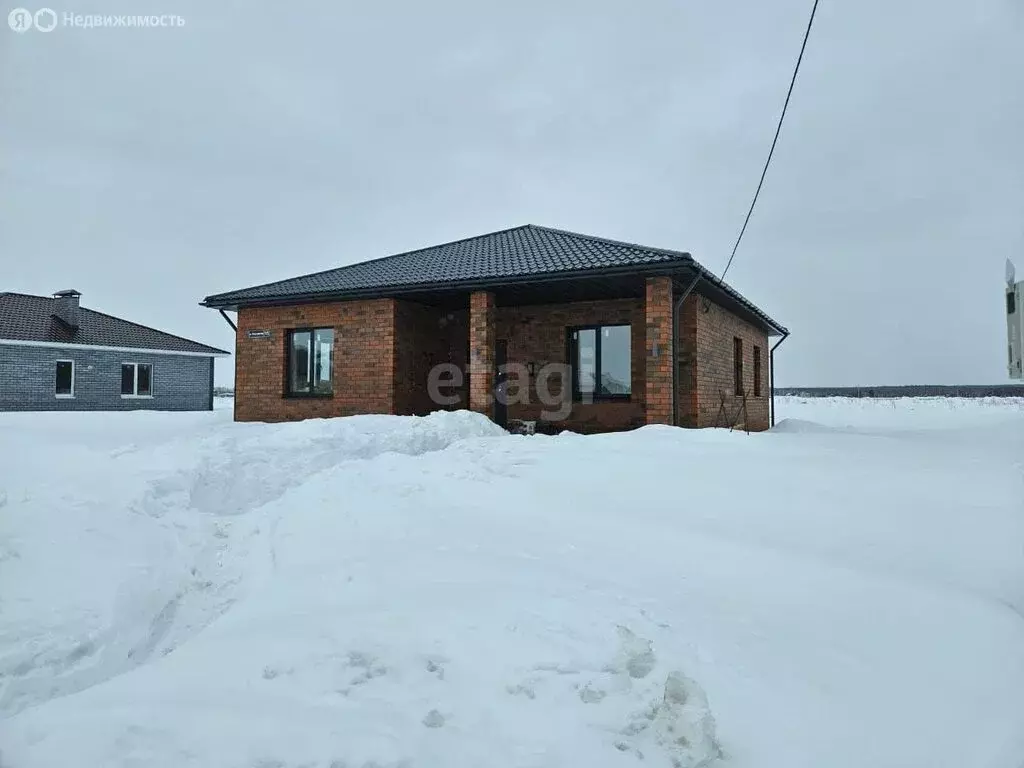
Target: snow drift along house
(530, 315)
(58, 355)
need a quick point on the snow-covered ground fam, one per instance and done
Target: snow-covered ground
(846, 590)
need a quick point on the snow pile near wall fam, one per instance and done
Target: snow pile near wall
(398, 592)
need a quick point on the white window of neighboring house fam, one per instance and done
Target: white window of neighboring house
(136, 380)
(64, 386)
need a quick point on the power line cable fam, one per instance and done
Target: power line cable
(760, 183)
(778, 130)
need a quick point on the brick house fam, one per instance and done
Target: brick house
(528, 324)
(56, 355)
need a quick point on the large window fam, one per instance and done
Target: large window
(601, 360)
(757, 371)
(310, 362)
(737, 364)
(136, 380)
(65, 379)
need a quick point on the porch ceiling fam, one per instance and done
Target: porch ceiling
(552, 292)
(594, 289)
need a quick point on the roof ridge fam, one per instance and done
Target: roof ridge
(373, 261)
(28, 295)
(151, 328)
(608, 241)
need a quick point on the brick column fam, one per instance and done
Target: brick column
(481, 353)
(659, 373)
(687, 392)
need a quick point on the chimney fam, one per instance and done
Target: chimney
(67, 306)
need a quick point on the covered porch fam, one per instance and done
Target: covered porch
(590, 355)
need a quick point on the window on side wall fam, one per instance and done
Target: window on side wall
(757, 371)
(64, 385)
(737, 364)
(310, 362)
(601, 360)
(136, 380)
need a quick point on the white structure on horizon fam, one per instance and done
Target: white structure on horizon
(1014, 321)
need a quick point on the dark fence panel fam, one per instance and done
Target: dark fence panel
(910, 390)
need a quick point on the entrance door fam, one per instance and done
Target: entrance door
(501, 383)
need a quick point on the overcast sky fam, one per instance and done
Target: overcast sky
(149, 168)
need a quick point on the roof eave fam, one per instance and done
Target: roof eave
(207, 352)
(228, 301)
(771, 326)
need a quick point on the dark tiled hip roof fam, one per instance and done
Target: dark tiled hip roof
(511, 255)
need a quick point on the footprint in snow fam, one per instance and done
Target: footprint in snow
(521, 689)
(635, 657)
(434, 666)
(369, 666)
(591, 695)
(679, 722)
(433, 719)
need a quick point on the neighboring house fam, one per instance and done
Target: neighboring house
(58, 356)
(527, 313)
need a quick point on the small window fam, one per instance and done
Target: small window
(127, 379)
(143, 375)
(136, 380)
(1011, 302)
(757, 371)
(311, 362)
(602, 362)
(737, 364)
(65, 379)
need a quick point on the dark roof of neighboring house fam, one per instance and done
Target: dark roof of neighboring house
(521, 254)
(33, 318)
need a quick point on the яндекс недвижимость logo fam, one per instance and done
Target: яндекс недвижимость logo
(22, 20)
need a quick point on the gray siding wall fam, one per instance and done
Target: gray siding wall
(28, 378)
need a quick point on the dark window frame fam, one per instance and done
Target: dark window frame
(1011, 302)
(737, 365)
(70, 394)
(571, 358)
(135, 380)
(288, 336)
(138, 379)
(757, 371)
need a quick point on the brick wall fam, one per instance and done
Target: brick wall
(537, 334)
(28, 377)
(659, 374)
(384, 350)
(363, 369)
(706, 368)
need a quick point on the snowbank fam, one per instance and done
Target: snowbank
(384, 591)
(124, 546)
